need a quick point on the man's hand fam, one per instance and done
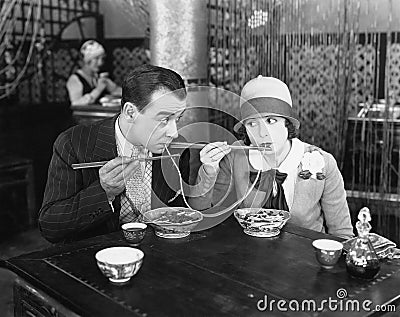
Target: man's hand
(212, 154)
(114, 174)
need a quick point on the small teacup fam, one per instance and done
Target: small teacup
(134, 232)
(327, 252)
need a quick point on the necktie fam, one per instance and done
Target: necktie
(136, 199)
(271, 183)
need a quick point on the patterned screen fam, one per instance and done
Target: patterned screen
(394, 72)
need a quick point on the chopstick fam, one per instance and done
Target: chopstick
(101, 163)
(183, 145)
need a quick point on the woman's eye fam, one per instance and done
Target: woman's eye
(270, 120)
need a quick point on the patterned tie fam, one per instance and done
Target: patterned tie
(136, 199)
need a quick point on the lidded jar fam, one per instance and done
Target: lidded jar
(361, 259)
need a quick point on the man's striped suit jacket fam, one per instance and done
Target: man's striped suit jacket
(75, 206)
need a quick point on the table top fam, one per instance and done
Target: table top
(219, 271)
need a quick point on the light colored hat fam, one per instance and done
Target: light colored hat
(91, 49)
(266, 96)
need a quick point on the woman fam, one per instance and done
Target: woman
(294, 175)
(87, 85)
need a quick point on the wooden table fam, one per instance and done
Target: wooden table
(220, 271)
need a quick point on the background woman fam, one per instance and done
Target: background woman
(87, 85)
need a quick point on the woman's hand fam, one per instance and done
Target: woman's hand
(102, 84)
(96, 92)
(212, 154)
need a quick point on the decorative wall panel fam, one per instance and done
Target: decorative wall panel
(314, 88)
(125, 59)
(394, 73)
(363, 78)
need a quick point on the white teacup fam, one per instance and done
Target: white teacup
(327, 252)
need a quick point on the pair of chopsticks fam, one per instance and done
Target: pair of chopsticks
(101, 163)
(183, 145)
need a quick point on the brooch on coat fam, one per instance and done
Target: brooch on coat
(312, 165)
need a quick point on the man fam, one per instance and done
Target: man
(88, 202)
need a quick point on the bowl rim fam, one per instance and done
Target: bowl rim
(134, 252)
(327, 244)
(133, 225)
(253, 209)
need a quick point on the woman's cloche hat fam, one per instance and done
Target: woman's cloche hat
(266, 96)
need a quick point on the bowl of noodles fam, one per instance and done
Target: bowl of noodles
(172, 222)
(261, 222)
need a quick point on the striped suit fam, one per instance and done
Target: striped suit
(75, 205)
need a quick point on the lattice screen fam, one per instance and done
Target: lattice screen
(313, 88)
(363, 79)
(125, 59)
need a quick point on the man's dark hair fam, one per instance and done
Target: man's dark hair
(292, 132)
(144, 80)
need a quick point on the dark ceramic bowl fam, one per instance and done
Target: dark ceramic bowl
(119, 264)
(134, 232)
(327, 252)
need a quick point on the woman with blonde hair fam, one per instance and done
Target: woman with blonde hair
(87, 85)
